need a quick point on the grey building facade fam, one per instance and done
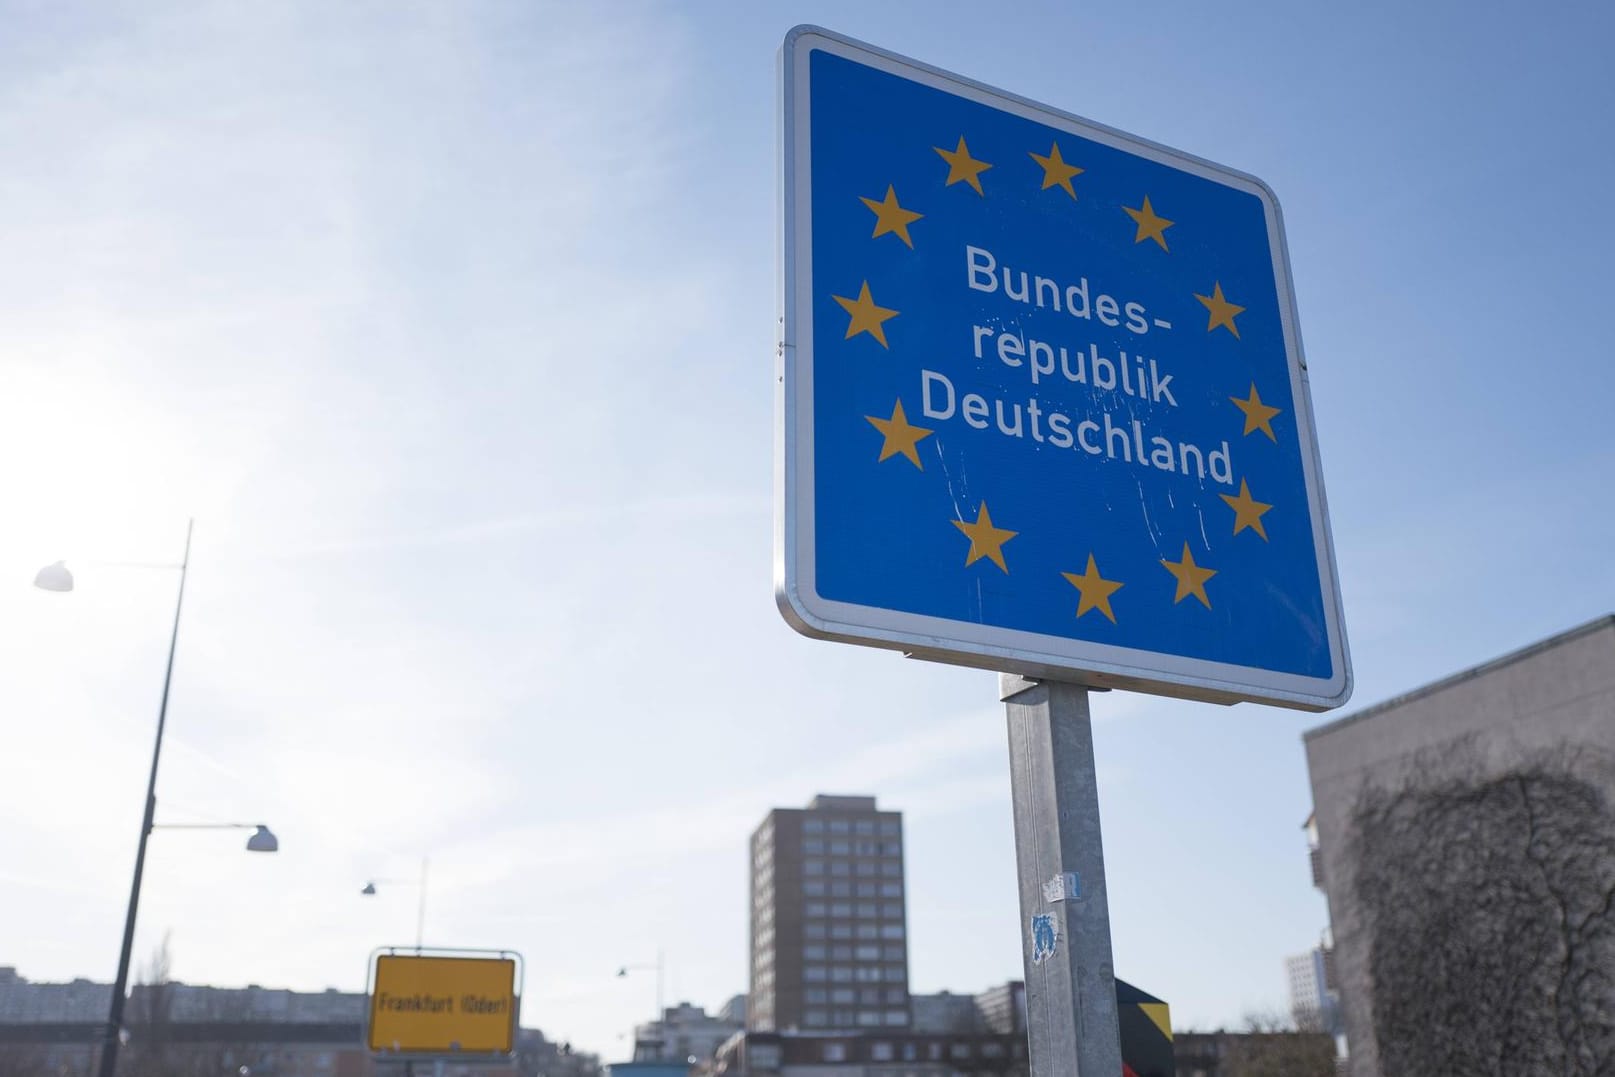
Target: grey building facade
(829, 921)
(1465, 843)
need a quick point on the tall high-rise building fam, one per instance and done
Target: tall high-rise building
(829, 920)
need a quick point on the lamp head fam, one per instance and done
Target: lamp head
(263, 840)
(622, 971)
(369, 890)
(54, 577)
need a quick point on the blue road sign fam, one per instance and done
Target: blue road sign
(1043, 403)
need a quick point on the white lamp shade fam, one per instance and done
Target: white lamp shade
(54, 577)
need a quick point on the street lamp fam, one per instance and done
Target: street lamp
(626, 969)
(56, 577)
(261, 840)
(369, 890)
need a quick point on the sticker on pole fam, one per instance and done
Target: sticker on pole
(1045, 937)
(1043, 404)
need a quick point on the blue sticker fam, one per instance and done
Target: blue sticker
(1045, 937)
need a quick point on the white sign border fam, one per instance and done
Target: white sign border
(988, 646)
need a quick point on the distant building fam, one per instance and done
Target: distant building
(1442, 776)
(829, 925)
(1231, 1054)
(871, 1054)
(685, 1033)
(950, 1036)
(1314, 1004)
(55, 1028)
(945, 1012)
(1003, 1008)
(734, 1011)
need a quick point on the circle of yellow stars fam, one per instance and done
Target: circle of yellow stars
(901, 438)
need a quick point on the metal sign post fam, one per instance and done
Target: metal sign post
(1042, 408)
(1071, 1016)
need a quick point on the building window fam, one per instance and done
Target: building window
(891, 889)
(813, 847)
(871, 953)
(814, 1018)
(813, 931)
(838, 826)
(840, 868)
(868, 931)
(868, 974)
(813, 826)
(839, 848)
(841, 974)
(869, 1018)
(866, 848)
(892, 868)
(812, 867)
(841, 890)
(840, 908)
(865, 868)
(894, 974)
(813, 888)
(897, 1017)
(841, 953)
(813, 953)
(882, 1052)
(891, 912)
(816, 994)
(813, 974)
(866, 826)
(891, 931)
(840, 931)
(843, 996)
(866, 910)
(890, 828)
(896, 995)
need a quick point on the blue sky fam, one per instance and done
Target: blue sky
(453, 324)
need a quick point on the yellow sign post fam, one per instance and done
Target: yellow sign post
(422, 1004)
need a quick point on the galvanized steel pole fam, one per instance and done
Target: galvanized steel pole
(111, 1035)
(1071, 1015)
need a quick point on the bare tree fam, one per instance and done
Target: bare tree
(1488, 901)
(149, 1016)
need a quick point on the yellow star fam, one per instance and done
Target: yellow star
(1222, 311)
(1056, 173)
(1258, 416)
(1248, 511)
(962, 166)
(900, 436)
(985, 539)
(1150, 225)
(866, 316)
(1096, 590)
(891, 217)
(1191, 577)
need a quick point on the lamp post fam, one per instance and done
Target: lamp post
(626, 969)
(369, 890)
(56, 577)
(262, 839)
